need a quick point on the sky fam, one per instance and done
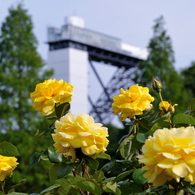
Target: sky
(130, 20)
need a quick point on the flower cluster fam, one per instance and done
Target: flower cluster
(79, 132)
(49, 94)
(169, 154)
(7, 165)
(132, 102)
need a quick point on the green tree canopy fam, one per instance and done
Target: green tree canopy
(160, 64)
(188, 76)
(21, 68)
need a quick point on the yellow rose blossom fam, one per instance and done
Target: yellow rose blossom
(166, 106)
(132, 102)
(49, 94)
(80, 131)
(169, 154)
(7, 165)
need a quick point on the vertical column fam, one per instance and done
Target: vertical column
(71, 64)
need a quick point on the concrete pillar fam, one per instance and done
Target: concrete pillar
(71, 64)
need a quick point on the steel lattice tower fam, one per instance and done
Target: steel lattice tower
(73, 47)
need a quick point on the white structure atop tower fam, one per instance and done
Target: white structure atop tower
(71, 48)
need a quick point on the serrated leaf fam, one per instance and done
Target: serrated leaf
(140, 137)
(8, 149)
(183, 119)
(50, 188)
(53, 156)
(98, 175)
(64, 170)
(102, 155)
(62, 109)
(92, 163)
(138, 176)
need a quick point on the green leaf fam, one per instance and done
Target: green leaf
(183, 119)
(110, 187)
(78, 182)
(125, 147)
(190, 190)
(53, 156)
(98, 175)
(17, 193)
(50, 188)
(62, 109)
(53, 172)
(144, 124)
(8, 149)
(65, 189)
(191, 105)
(125, 188)
(160, 124)
(124, 161)
(122, 175)
(90, 186)
(138, 176)
(140, 137)
(102, 155)
(35, 158)
(107, 167)
(64, 170)
(92, 163)
(34, 194)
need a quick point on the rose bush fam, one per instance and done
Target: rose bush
(49, 94)
(132, 102)
(156, 153)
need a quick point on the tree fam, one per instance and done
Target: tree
(188, 75)
(21, 68)
(160, 64)
(36, 178)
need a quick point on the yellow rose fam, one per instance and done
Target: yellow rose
(49, 94)
(169, 154)
(132, 102)
(166, 107)
(7, 165)
(79, 132)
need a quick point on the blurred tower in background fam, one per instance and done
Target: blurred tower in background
(73, 49)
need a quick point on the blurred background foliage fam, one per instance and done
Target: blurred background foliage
(21, 68)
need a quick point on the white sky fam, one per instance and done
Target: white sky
(130, 20)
